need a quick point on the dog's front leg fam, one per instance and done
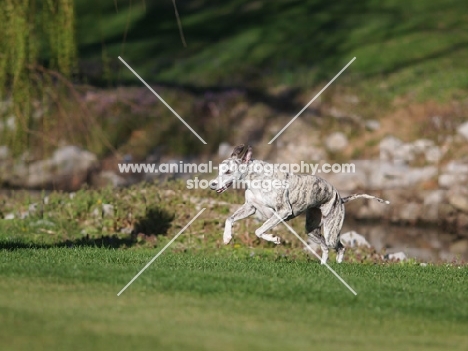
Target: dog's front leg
(244, 211)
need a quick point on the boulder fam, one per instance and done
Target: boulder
(388, 147)
(433, 154)
(4, 153)
(336, 142)
(458, 198)
(397, 256)
(372, 125)
(456, 167)
(224, 150)
(448, 181)
(459, 247)
(422, 145)
(106, 178)
(434, 197)
(67, 169)
(353, 239)
(463, 130)
(409, 211)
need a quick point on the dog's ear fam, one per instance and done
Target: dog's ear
(238, 151)
(248, 155)
(243, 152)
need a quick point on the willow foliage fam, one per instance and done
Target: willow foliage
(34, 34)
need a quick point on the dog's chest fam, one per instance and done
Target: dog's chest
(261, 198)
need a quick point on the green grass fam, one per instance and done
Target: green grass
(66, 299)
(62, 267)
(418, 48)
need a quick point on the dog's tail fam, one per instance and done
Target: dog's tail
(357, 196)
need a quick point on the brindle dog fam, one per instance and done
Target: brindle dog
(292, 195)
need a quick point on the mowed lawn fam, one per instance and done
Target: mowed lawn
(66, 299)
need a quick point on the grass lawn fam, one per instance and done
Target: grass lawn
(66, 299)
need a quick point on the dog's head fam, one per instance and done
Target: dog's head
(233, 168)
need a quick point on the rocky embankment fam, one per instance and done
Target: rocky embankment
(425, 181)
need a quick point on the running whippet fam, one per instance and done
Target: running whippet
(288, 195)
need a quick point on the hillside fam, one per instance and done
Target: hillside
(417, 47)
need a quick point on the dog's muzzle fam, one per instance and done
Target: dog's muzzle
(214, 186)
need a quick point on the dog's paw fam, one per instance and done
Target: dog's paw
(277, 240)
(227, 239)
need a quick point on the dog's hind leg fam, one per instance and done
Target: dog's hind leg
(312, 225)
(331, 228)
(282, 215)
(340, 250)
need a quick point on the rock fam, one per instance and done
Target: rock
(390, 175)
(96, 213)
(372, 125)
(454, 173)
(459, 200)
(107, 210)
(5, 106)
(67, 169)
(70, 159)
(334, 112)
(456, 167)
(388, 146)
(410, 211)
(448, 181)
(417, 175)
(379, 175)
(297, 152)
(224, 150)
(462, 221)
(422, 145)
(434, 197)
(336, 142)
(392, 148)
(353, 239)
(463, 130)
(347, 182)
(110, 178)
(353, 99)
(9, 216)
(433, 154)
(4, 152)
(406, 152)
(372, 210)
(32, 208)
(397, 256)
(430, 213)
(11, 123)
(459, 247)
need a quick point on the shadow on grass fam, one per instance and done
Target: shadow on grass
(155, 222)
